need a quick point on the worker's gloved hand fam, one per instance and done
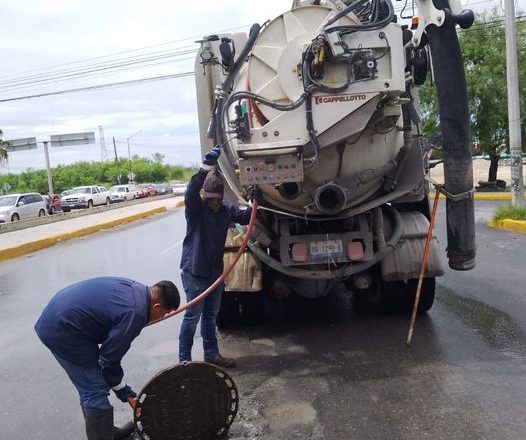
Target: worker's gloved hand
(212, 156)
(124, 392)
(257, 195)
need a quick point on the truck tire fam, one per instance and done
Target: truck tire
(252, 308)
(15, 217)
(427, 294)
(108, 201)
(90, 204)
(228, 315)
(393, 297)
(41, 213)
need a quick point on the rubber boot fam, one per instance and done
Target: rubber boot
(99, 424)
(124, 432)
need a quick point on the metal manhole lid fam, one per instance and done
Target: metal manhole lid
(190, 401)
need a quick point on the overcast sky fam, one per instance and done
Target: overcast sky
(39, 37)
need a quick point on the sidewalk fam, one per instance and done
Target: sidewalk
(16, 243)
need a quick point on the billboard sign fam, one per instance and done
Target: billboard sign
(71, 139)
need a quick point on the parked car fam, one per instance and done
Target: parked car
(85, 197)
(53, 203)
(146, 190)
(163, 188)
(20, 206)
(179, 188)
(122, 193)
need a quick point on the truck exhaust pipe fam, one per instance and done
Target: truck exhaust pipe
(454, 121)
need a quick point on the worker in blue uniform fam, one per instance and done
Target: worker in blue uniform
(207, 222)
(88, 327)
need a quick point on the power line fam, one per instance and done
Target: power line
(122, 52)
(102, 86)
(107, 64)
(105, 69)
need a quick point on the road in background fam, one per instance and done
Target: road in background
(316, 370)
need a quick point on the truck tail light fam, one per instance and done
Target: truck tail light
(299, 252)
(355, 250)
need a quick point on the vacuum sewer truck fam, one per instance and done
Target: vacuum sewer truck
(320, 109)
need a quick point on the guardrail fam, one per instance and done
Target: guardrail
(60, 216)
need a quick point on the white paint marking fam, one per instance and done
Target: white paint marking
(172, 247)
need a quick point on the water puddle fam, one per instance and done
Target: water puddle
(497, 328)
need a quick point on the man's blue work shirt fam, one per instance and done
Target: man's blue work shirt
(203, 246)
(106, 311)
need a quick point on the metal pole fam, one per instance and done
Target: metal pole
(129, 160)
(48, 167)
(116, 162)
(129, 156)
(512, 77)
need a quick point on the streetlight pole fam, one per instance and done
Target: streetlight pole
(129, 156)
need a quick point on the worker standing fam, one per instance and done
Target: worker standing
(88, 327)
(207, 223)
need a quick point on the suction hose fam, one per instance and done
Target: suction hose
(216, 283)
(454, 121)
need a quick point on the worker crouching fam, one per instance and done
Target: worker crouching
(88, 327)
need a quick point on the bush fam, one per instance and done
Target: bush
(510, 212)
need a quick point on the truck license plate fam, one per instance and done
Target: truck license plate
(325, 248)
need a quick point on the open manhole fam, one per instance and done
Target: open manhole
(190, 401)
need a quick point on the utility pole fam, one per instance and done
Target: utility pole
(48, 168)
(116, 162)
(512, 77)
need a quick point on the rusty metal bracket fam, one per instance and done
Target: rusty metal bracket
(190, 401)
(453, 197)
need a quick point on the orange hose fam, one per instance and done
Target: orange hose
(216, 283)
(225, 273)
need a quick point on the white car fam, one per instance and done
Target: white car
(85, 197)
(122, 193)
(19, 206)
(179, 189)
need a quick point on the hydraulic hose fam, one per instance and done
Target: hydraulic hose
(215, 284)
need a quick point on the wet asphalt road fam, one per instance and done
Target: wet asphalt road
(316, 370)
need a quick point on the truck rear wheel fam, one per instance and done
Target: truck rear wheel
(427, 294)
(393, 297)
(252, 308)
(229, 314)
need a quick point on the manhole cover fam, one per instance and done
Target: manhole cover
(191, 401)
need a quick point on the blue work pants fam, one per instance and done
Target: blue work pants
(90, 384)
(205, 310)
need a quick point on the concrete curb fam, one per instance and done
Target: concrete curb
(482, 196)
(26, 248)
(508, 225)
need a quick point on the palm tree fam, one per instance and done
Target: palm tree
(3, 150)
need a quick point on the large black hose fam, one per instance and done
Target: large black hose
(455, 126)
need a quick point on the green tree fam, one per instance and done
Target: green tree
(158, 157)
(483, 48)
